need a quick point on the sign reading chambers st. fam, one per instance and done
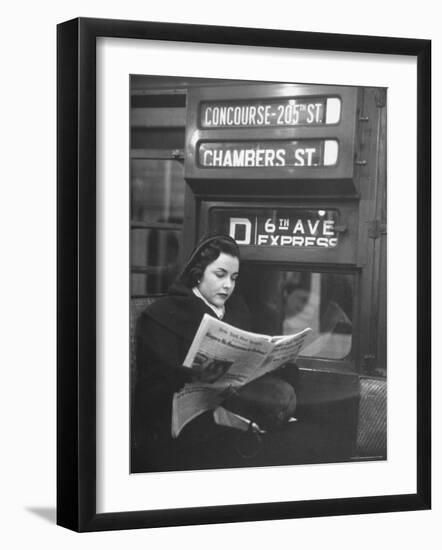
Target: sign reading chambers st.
(268, 154)
(292, 227)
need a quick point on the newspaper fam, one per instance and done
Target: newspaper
(225, 359)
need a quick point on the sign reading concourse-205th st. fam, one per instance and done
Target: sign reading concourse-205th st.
(311, 111)
(268, 154)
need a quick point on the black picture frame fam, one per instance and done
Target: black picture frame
(76, 274)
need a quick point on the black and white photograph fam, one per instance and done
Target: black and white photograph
(241, 334)
(220, 322)
(258, 273)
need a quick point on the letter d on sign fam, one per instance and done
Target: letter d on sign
(236, 232)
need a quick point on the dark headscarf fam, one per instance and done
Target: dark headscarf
(203, 243)
(181, 311)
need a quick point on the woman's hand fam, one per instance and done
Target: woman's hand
(191, 375)
(211, 371)
(205, 377)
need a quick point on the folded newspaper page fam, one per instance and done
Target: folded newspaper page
(226, 358)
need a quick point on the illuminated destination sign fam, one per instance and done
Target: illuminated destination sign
(287, 227)
(268, 154)
(310, 111)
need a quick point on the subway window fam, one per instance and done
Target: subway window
(156, 185)
(157, 212)
(324, 302)
(294, 175)
(285, 302)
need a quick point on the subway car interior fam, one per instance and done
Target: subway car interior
(296, 174)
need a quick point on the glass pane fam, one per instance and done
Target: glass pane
(138, 284)
(157, 191)
(154, 259)
(285, 302)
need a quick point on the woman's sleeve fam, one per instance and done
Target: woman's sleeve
(159, 354)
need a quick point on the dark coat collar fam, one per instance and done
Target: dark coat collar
(181, 311)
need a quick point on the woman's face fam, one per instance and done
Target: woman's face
(218, 280)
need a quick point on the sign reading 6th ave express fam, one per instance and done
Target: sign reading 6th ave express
(268, 154)
(293, 227)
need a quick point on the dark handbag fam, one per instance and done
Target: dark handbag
(269, 402)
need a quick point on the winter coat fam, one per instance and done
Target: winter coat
(164, 333)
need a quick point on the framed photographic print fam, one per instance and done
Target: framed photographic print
(231, 341)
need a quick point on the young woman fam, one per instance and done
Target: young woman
(164, 333)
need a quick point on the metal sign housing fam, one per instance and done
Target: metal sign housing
(271, 132)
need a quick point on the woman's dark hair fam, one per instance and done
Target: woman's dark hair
(204, 254)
